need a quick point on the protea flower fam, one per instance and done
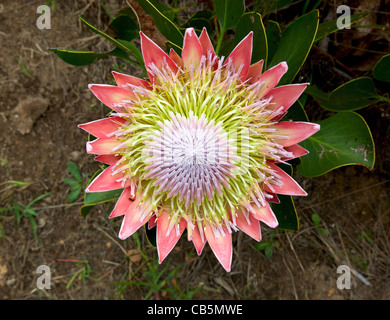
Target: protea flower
(196, 145)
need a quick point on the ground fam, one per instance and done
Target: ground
(42, 101)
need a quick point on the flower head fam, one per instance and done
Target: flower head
(195, 146)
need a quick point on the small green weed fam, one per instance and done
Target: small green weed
(317, 223)
(75, 183)
(84, 272)
(268, 245)
(21, 211)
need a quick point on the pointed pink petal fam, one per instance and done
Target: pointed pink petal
(152, 53)
(176, 58)
(111, 95)
(103, 127)
(122, 79)
(289, 187)
(108, 158)
(266, 215)
(254, 72)
(206, 44)
(285, 96)
(165, 243)
(241, 55)
(271, 78)
(105, 181)
(192, 49)
(152, 222)
(132, 220)
(294, 132)
(194, 236)
(296, 150)
(122, 204)
(252, 228)
(221, 246)
(102, 146)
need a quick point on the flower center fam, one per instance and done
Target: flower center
(189, 158)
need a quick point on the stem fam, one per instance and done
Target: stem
(219, 43)
(384, 99)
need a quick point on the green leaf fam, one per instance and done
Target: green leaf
(252, 22)
(74, 170)
(268, 6)
(295, 44)
(199, 20)
(93, 198)
(124, 27)
(274, 34)
(78, 57)
(329, 27)
(151, 235)
(34, 230)
(101, 197)
(40, 197)
(70, 181)
(164, 25)
(72, 197)
(382, 69)
(316, 219)
(121, 44)
(134, 50)
(296, 113)
(353, 95)
(260, 245)
(83, 58)
(85, 210)
(228, 13)
(285, 210)
(344, 139)
(170, 45)
(269, 250)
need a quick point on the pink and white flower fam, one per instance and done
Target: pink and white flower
(196, 145)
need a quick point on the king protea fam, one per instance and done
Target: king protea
(196, 145)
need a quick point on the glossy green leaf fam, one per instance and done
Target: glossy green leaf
(344, 139)
(151, 235)
(296, 113)
(198, 25)
(353, 95)
(121, 44)
(78, 57)
(228, 13)
(124, 28)
(382, 69)
(83, 58)
(199, 20)
(164, 25)
(295, 44)
(329, 27)
(170, 45)
(274, 34)
(93, 198)
(252, 22)
(285, 210)
(268, 6)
